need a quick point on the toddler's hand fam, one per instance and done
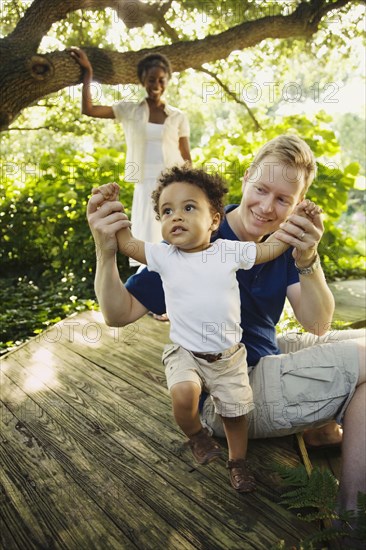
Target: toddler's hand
(110, 191)
(309, 209)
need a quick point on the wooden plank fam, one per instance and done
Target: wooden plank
(99, 481)
(101, 409)
(42, 505)
(6, 537)
(329, 459)
(140, 450)
(182, 514)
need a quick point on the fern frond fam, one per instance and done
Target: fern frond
(360, 519)
(319, 491)
(327, 535)
(296, 477)
(316, 516)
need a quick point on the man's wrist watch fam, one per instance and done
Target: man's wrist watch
(311, 268)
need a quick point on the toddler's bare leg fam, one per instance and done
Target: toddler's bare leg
(236, 431)
(185, 397)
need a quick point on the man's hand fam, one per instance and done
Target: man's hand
(105, 219)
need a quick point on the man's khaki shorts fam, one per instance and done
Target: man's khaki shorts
(226, 380)
(295, 391)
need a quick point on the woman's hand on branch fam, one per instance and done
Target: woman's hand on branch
(80, 56)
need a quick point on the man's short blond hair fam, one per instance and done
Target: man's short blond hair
(293, 151)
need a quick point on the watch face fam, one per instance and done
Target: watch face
(311, 268)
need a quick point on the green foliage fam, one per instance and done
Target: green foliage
(43, 229)
(360, 526)
(351, 130)
(315, 498)
(318, 491)
(231, 151)
(47, 254)
(28, 309)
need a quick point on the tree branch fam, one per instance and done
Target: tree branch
(36, 23)
(18, 129)
(137, 14)
(233, 96)
(42, 14)
(27, 76)
(320, 8)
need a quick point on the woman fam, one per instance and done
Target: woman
(157, 135)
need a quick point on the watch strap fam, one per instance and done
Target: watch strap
(311, 268)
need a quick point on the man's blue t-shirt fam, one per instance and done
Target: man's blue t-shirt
(262, 293)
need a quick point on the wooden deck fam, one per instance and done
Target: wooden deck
(92, 458)
(350, 298)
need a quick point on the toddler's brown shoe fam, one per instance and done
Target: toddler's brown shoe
(241, 478)
(204, 448)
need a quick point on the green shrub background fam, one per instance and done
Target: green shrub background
(47, 252)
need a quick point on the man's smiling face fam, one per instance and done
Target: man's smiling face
(271, 190)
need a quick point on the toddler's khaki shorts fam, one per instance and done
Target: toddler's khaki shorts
(225, 380)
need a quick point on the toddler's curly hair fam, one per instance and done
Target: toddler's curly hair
(214, 187)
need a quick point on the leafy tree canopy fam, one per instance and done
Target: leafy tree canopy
(192, 33)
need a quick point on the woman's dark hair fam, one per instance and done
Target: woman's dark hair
(212, 185)
(153, 60)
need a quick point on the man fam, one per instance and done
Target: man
(292, 391)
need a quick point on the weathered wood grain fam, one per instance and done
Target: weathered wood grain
(39, 496)
(93, 459)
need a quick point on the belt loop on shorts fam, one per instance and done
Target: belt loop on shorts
(212, 357)
(209, 357)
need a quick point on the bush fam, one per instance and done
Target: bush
(47, 255)
(231, 154)
(43, 227)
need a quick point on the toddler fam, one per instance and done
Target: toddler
(203, 305)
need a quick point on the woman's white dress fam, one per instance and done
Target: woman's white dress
(145, 226)
(150, 148)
